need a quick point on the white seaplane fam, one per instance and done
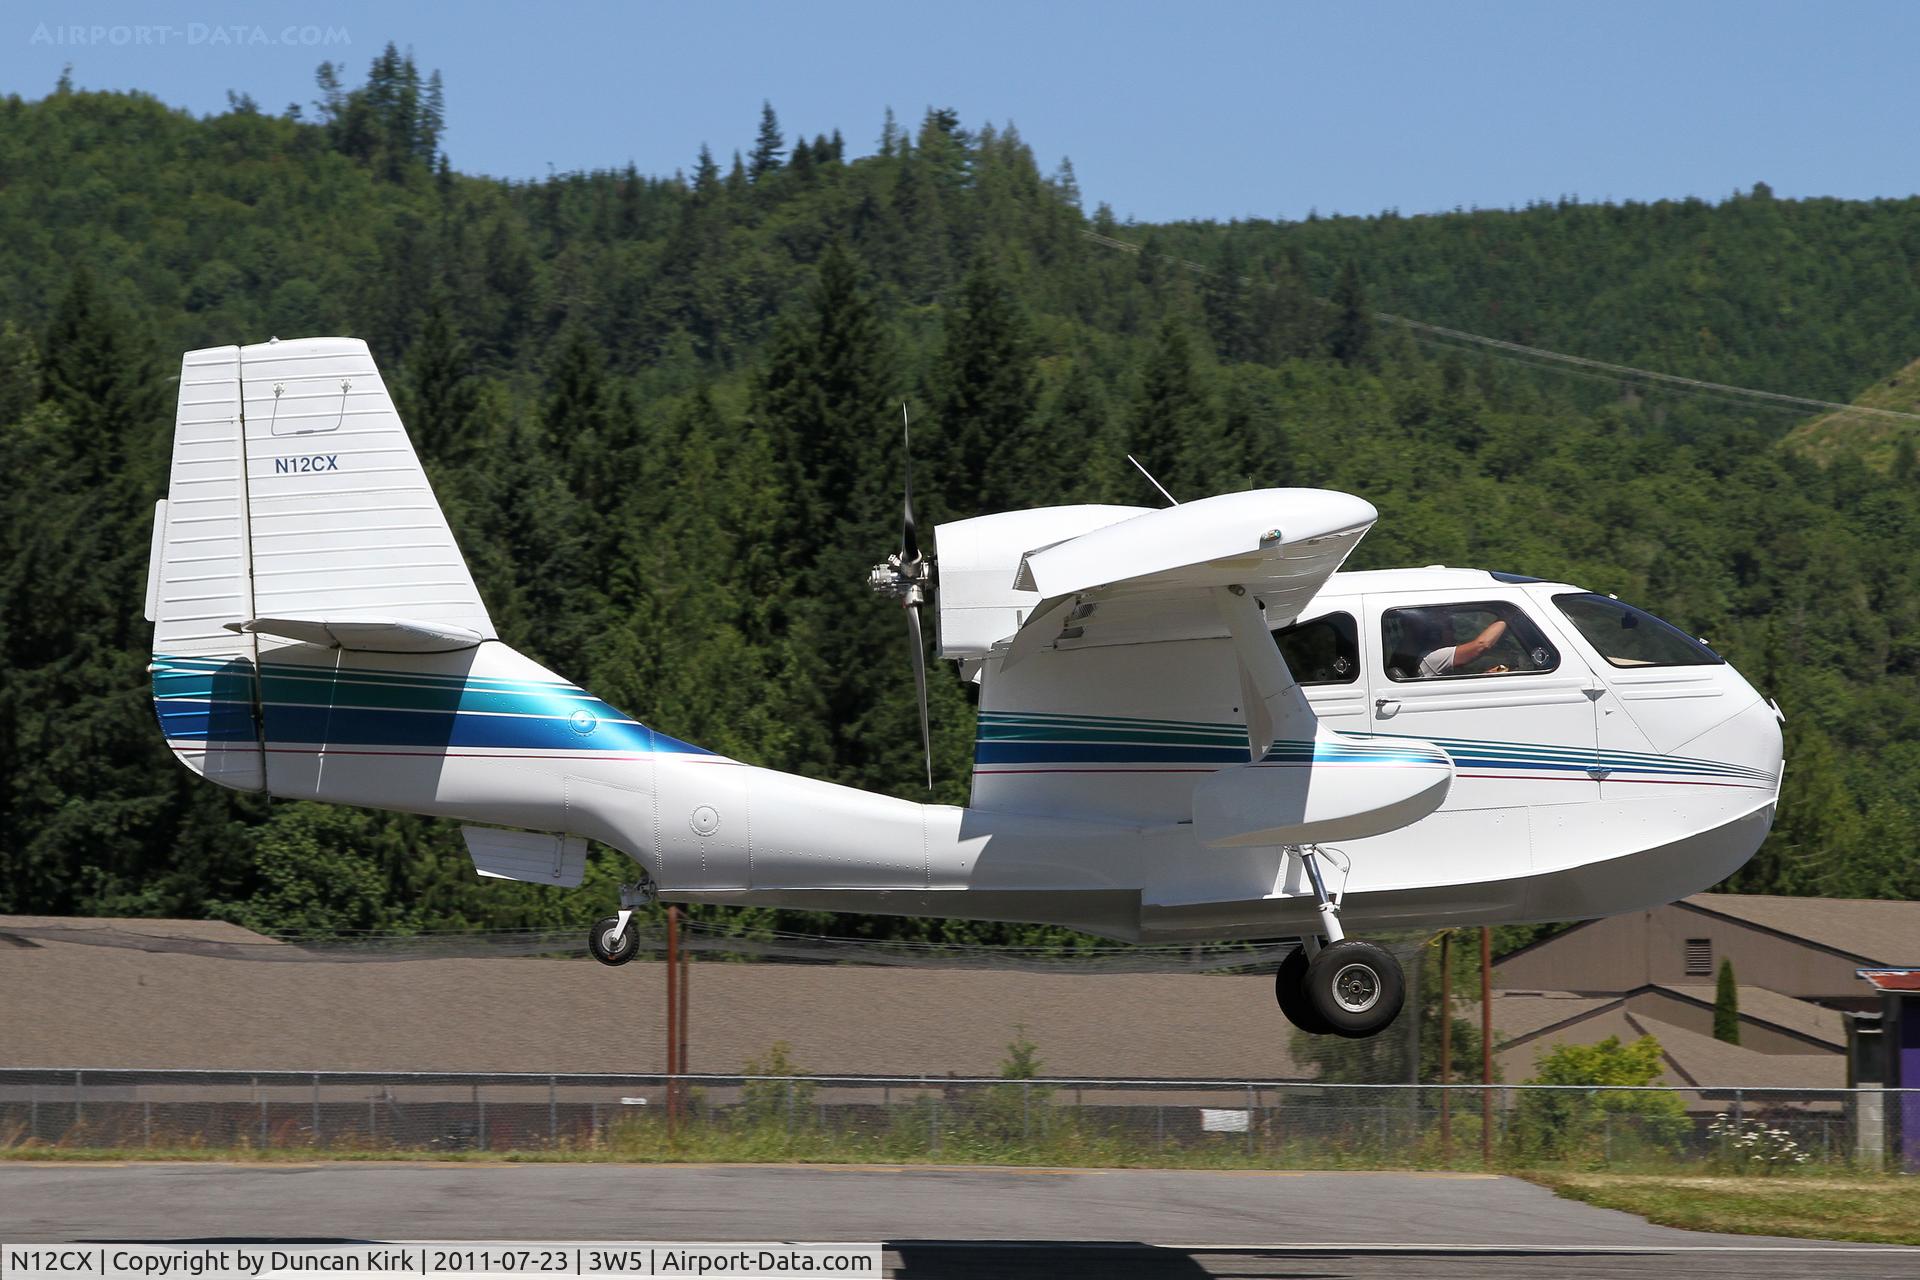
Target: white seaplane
(1191, 725)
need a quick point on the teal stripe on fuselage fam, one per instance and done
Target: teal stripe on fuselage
(1007, 737)
(305, 705)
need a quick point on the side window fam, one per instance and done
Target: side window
(1323, 651)
(1630, 637)
(1447, 641)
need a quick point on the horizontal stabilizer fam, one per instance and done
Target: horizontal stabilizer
(531, 856)
(367, 635)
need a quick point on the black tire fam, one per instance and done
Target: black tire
(599, 942)
(1356, 987)
(1290, 993)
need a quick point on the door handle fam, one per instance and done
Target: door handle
(1386, 706)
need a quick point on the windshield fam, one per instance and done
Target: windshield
(1630, 637)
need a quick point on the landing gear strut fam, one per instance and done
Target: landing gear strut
(613, 940)
(1341, 986)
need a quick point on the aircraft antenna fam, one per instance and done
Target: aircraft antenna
(1155, 483)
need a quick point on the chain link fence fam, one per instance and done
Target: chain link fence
(1059, 1120)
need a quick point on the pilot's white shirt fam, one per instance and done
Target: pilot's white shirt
(1437, 663)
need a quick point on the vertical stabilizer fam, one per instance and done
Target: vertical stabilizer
(344, 525)
(298, 523)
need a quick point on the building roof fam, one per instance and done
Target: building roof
(1874, 930)
(1759, 1004)
(71, 1004)
(1702, 1061)
(1893, 979)
(1517, 1015)
(76, 927)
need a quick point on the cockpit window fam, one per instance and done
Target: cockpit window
(1325, 650)
(1482, 638)
(1630, 637)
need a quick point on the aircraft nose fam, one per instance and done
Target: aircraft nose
(1749, 740)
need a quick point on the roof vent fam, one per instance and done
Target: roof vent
(1699, 957)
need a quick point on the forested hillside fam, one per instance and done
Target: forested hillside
(662, 414)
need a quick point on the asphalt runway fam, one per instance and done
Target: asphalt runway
(936, 1222)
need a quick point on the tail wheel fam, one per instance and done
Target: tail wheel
(1290, 993)
(1356, 987)
(609, 945)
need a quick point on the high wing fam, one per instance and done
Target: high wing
(1152, 577)
(1237, 565)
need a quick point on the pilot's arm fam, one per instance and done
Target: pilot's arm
(1475, 649)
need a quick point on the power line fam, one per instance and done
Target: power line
(1541, 357)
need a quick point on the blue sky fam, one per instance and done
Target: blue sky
(1168, 110)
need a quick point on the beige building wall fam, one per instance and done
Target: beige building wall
(1625, 952)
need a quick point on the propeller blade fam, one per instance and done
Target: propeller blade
(920, 685)
(909, 532)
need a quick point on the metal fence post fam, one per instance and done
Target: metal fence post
(481, 1104)
(1249, 1121)
(1026, 1110)
(261, 1098)
(146, 1121)
(33, 1111)
(787, 1106)
(316, 1108)
(553, 1112)
(79, 1099)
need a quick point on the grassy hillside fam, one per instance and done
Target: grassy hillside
(1884, 444)
(661, 413)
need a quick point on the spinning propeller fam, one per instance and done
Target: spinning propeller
(906, 576)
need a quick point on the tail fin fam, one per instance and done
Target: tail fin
(296, 508)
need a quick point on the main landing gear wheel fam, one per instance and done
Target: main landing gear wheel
(611, 944)
(1355, 987)
(1290, 992)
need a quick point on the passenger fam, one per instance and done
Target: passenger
(1452, 658)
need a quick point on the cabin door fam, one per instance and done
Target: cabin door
(1484, 679)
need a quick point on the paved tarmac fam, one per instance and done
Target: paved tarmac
(936, 1222)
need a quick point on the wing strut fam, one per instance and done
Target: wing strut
(1272, 697)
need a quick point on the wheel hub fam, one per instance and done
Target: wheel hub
(1356, 987)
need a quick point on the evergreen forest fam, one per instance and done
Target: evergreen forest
(662, 413)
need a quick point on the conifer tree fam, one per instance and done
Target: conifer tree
(767, 147)
(1351, 341)
(985, 396)
(1726, 1005)
(1174, 427)
(437, 392)
(828, 398)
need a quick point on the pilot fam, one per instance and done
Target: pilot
(1454, 658)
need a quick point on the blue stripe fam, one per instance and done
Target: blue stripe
(1103, 752)
(206, 721)
(1009, 737)
(1293, 752)
(211, 700)
(386, 727)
